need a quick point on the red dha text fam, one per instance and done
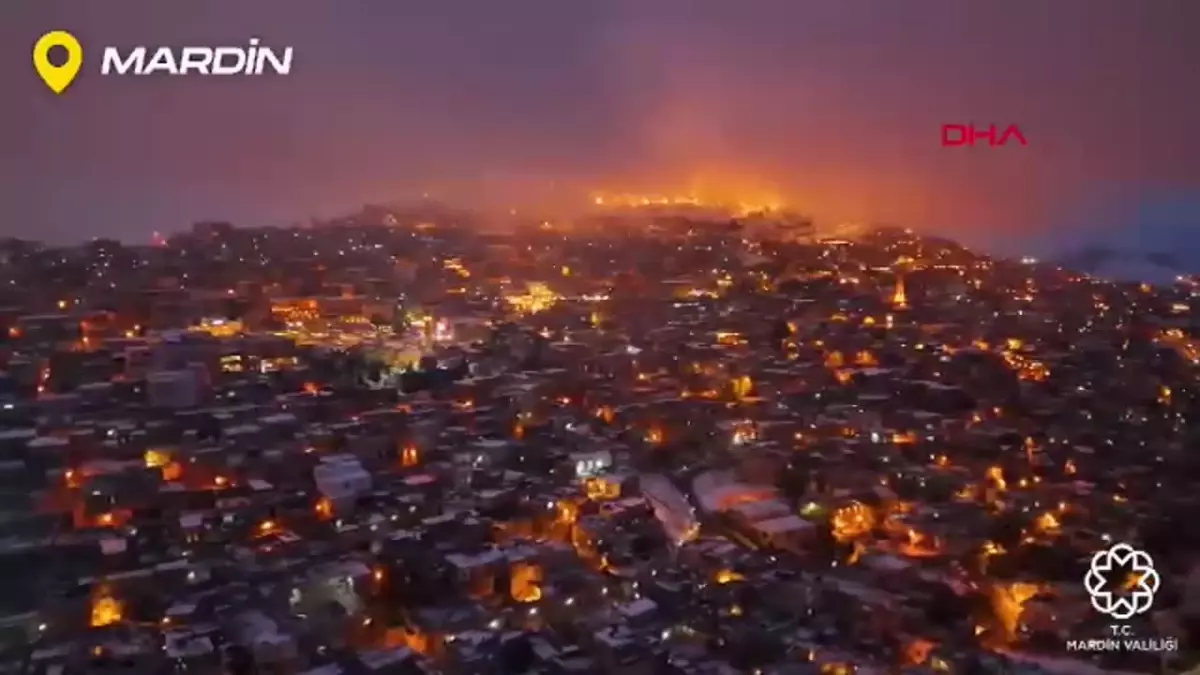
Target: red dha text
(955, 135)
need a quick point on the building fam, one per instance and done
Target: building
(670, 506)
(341, 478)
(183, 388)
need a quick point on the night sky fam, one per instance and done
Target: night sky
(835, 106)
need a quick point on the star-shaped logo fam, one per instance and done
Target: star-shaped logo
(1121, 581)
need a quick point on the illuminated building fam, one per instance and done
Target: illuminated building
(537, 298)
(589, 464)
(106, 609)
(899, 296)
(220, 328)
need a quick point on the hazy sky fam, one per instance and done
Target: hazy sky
(835, 105)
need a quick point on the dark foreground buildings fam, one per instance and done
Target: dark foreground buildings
(395, 445)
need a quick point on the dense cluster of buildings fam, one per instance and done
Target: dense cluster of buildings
(397, 444)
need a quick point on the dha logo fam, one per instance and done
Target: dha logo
(957, 135)
(252, 59)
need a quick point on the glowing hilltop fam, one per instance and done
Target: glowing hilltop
(735, 206)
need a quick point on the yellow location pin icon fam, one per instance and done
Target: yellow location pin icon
(59, 77)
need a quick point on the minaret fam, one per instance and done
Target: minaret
(899, 297)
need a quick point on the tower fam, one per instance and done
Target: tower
(899, 297)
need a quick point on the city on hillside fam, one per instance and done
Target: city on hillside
(660, 438)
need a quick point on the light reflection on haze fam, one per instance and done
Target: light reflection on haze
(834, 106)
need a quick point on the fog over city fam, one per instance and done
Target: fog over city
(834, 108)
